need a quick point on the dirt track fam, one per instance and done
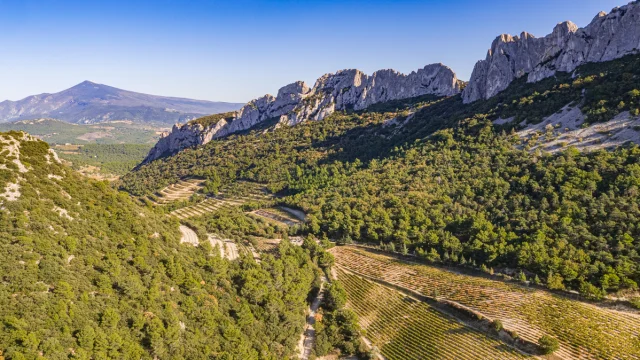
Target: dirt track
(308, 338)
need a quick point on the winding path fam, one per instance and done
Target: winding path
(308, 338)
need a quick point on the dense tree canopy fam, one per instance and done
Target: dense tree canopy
(438, 178)
(86, 273)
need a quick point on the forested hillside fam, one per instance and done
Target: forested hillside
(85, 273)
(438, 177)
(116, 159)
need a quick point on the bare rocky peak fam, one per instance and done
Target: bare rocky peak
(296, 102)
(607, 37)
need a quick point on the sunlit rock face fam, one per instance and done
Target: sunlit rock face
(295, 103)
(607, 37)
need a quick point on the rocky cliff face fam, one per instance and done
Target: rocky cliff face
(607, 37)
(295, 103)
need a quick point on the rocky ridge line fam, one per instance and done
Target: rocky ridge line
(296, 102)
(607, 37)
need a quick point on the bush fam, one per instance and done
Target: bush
(548, 345)
(514, 335)
(591, 292)
(497, 325)
(335, 296)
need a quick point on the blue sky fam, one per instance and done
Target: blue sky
(239, 50)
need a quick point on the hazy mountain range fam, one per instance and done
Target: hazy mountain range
(88, 103)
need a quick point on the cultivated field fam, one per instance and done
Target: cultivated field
(182, 190)
(267, 246)
(228, 248)
(405, 328)
(585, 331)
(206, 206)
(188, 236)
(237, 194)
(278, 216)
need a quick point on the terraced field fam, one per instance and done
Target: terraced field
(228, 248)
(278, 216)
(188, 236)
(267, 246)
(235, 195)
(585, 331)
(248, 191)
(182, 190)
(245, 248)
(404, 328)
(208, 205)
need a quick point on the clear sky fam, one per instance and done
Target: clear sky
(242, 49)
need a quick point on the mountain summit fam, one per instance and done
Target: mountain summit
(88, 103)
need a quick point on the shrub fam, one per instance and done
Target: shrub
(522, 277)
(433, 255)
(497, 325)
(591, 292)
(548, 345)
(514, 335)
(555, 281)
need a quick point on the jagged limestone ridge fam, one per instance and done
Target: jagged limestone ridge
(607, 37)
(296, 102)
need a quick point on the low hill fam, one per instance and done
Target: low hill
(88, 103)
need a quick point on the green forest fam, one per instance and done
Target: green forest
(86, 273)
(116, 159)
(442, 181)
(60, 132)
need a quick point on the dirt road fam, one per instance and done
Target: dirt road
(308, 338)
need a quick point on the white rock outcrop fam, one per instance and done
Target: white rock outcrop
(607, 37)
(295, 103)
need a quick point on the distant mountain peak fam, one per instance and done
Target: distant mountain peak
(89, 102)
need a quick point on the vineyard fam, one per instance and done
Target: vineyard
(206, 206)
(228, 248)
(268, 246)
(277, 216)
(181, 190)
(584, 331)
(404, 328)
(236, 194)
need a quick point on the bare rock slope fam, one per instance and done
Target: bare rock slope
(607, 37)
